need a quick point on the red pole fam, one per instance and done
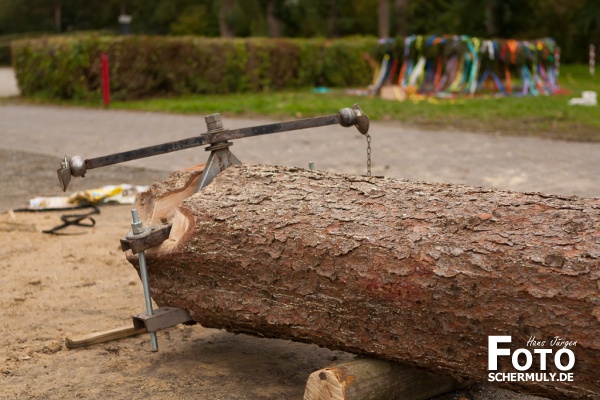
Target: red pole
(105, 80)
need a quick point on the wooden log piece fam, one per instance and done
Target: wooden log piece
(406, 271)
(372, 379)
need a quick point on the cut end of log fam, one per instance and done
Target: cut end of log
(182, 226)
(324, 384)
(371, 379)
(159, 203)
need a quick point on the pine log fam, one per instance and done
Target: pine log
(372, 379)
(412, 272)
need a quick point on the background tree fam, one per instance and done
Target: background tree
(332, 17)
(383, 14)
(226, 9)
(587, 19)
(197, 19)
(573, 23)
(273, 20)
(400, 11)
(58, 16)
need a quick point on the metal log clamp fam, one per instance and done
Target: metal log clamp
(218, 140)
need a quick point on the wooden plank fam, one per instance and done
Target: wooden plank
(103, 336)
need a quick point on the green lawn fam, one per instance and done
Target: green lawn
(547, 116)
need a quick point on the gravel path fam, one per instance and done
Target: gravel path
(8, 84)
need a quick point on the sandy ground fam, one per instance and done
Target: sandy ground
(52, 287)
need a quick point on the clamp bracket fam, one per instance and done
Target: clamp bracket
(164, 317)
(151, 237)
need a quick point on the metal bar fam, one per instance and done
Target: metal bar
(136, 229)
(211, 138)
(146, 152)
(149, 311)
(277, 127)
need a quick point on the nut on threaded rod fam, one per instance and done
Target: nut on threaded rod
(214, 122)
(136, 224)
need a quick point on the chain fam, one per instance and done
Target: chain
(368, 154)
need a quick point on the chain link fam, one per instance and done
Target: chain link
(368, 154)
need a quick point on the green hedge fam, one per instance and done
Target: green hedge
(146, 66)
(5, 43)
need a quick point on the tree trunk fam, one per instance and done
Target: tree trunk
(491, 25)
(225, 10)
(401, 9)
(58, 16)
(274, 23)
(332, 19)
(412, 272)
(383, 12)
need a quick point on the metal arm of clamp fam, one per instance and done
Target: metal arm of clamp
(76, 166)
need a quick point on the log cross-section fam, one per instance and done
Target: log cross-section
(413, 272)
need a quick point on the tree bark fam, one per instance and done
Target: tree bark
(58, 16)
(406, 271)
(224, 11)
(401, 9)
(332, 19)
(491, 25)
(383, 13)
(273, 22)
